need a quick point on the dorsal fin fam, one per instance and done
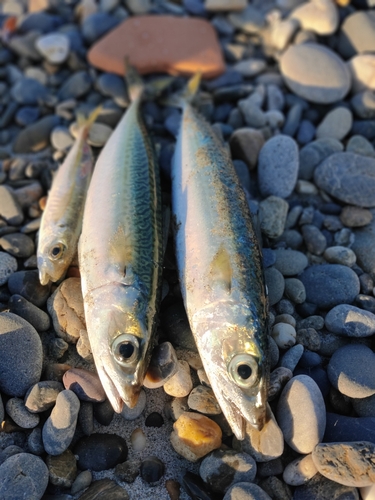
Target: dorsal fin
(221, 270)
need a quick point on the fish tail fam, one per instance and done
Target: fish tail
(84, 123)
(187, 95)
(133, 80)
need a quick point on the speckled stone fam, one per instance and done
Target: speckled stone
(23, 476)
(203, 400)
(337, 124)
(42, 396)
(273, 212)
(17, 411)
(355, 216)
(350, 321)
(62, 469)
(8, 265)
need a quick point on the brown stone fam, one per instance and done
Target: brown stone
(161, 44)
(245, 144)
(195, 435)
(85, 384)
(355, 216)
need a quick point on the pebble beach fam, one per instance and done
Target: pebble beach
(289, 88)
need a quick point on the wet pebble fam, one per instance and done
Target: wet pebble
(301, 414)
(23, 476)
(351, 370)
(58, 431)
(100, 451)
(21, 355)
(17, 411)
(133, 413)
(62, 469)
(28, 311)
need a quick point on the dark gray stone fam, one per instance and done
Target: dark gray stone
(17, 244)
(322, 488)
(100, 451)
(29, 91)
(23, 476)
(77, 85)
(275, 284)
(8, 265)
(290, 262)
(96, 25)
(340, 429)
(36, 136)
(28, 311)
(364, 248)
(27, 284)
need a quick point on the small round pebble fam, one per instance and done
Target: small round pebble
(351, 370)
(138, 440)
(337, 124)
(23, 476)
(340, 255)
(295, 290)
(82, 481)
(290, 262)
(203, 399)
(181, 383)
(152, 469)
(300, 471)
(17, 411)
(273, 212)
(301, 414)
(54, 47)
(154, 419)
(284, 335)
(100, 451)
(355, 216)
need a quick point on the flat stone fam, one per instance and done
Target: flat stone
(349, 178)
(18, 244)
(8, 266)
(35, 137)
(100, 451)
(350, 464)
(337, 124)
(290, 262)
(42, 396)
(357, 34)
(351, 370)
(320, 17)
(21, 355)
(278, 166)
(273, 212)
(10, 209)
(54, 47)
(361, 68)
(355, 216)
(17, 411)
(223, 468)
(328, 285)
(301, 414)
(340, 255)
(85, 384)
(23, 476)
(315, 73)
(324, 489)
(350, 321)
(300, 471)
(66, 309)
(161, 44)
(195, 435)
(340, 428)
(105, 489)
(58, 431)
(62, 468)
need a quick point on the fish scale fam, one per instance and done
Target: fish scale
(219, 264)
(120, 255)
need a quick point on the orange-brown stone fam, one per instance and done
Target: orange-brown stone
(160, 44)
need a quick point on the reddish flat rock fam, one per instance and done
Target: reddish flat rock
(160, 44)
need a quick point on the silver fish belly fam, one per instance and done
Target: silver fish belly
(220, 271)
(120, 256)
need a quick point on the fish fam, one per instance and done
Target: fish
(220, 270)
(120, 254)
(62, 217)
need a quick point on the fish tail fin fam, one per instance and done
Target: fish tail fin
(133, 81)
(186, 95)
(84, 123)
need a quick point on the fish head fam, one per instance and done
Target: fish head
(118, 339)
(237, 368)
(53, 257)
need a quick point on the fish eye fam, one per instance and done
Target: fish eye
(243, 370)
(57, 251)
(125, 349)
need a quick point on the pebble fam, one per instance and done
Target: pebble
(324, 489)
(340, 428)
(105, 488)
(250, 67)
(295, 290)
(246, 491)
(223, 468)
(328, 285)
(27, 284)
(351, 370)
(66, 309)
(337, 124)
(17, 411)
(85, 384)
(284, 335)
(42, 396)
(181, 383)
(61, 138)
(282, 33)
(250, 20)
(245, 144)
(35, 442)
(275, 285)
(54, 47)
(320, 17)
(314, 153)
(163, 365)
(203, 400)
(112, 85)
(358, 188)
(264, 445)
(355, 216)
(77, 85)
(187, 45)
(36, 136)
(367, 492)
(357, 34)
(350, 464)
(10, 209)
(104, 413)
(8, 266)
(225, 5)
(278, 166)
(315, 73)
(278, 378)
(133, 413)
(314, 239)
(350, 321)
(361, 70)
(195, 435)
(86, 417)
(81, 482)
(273, 212)
(100, 452)
(363, 104)
(62, 469)
(138, 440)
(28, 91)
(301, 414)
(300, 471)
(21, 355)
(340, 255)
(28, 311)
(292, 357)
(364, 407)
(152, 469)
(23, 476)
(127, 471)
(290, 262)
(154, 419)
(58, 431)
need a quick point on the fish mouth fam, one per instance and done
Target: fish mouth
(44, 277)
(117, 394)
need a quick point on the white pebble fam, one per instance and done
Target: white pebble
(138, 440)
(284, 335)
(180, 384)
(54, 47)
